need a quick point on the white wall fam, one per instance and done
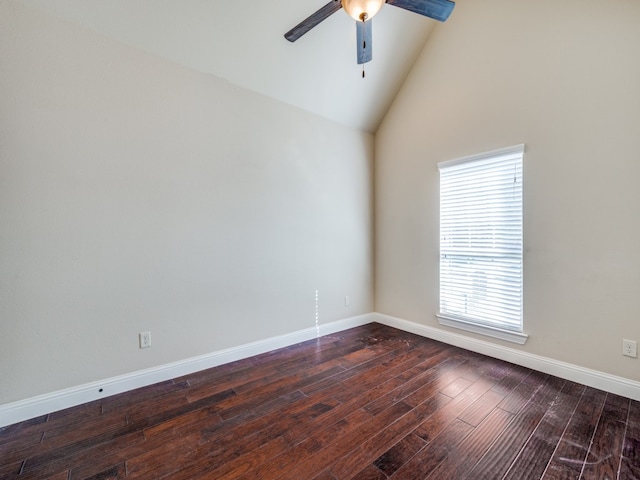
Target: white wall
(563, 78)
(138, 195)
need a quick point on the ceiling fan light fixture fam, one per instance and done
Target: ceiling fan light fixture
(356, 8)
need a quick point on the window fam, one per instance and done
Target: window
(481, 243)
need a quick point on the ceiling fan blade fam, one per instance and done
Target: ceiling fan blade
(363, 35)
(436, 9)
(312, 20)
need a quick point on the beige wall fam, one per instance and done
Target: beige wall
(138, 195)
(563, 78)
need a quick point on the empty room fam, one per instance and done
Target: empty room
(319, 241)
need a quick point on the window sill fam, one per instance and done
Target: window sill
(508, 335)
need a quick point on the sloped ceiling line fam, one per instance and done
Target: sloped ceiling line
(243, 43)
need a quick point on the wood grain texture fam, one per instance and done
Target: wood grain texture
(368, 403)
(313, 20)
(436, 9)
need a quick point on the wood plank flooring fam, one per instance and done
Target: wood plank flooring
(370, 403)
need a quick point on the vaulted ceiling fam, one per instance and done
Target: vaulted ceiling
(242, 41)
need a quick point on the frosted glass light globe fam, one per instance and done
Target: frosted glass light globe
(355, 8)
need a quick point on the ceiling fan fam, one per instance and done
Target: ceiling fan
(362, 11)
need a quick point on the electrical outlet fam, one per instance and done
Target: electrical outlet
(347, 302)
(145, 339)
(629, 348)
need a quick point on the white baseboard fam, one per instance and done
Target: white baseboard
(593, 378)
(42, 404)
(18, 411)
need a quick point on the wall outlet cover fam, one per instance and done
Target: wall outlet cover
(145, 339)
(629, 348)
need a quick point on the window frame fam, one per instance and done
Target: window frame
(509, 331)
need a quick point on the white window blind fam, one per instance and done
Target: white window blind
(481, 239)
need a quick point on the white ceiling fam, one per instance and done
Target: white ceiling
(242, 41)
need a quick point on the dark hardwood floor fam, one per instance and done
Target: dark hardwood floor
(369, 403)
